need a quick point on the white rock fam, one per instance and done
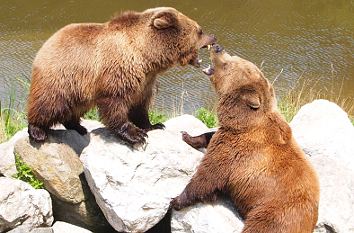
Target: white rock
(63, 227)
(7, 158)
(326, 134)
(322, 128)
(20, 204)
(134, 187)
(336, 195)
(218, 217)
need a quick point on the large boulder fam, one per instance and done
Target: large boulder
(326, 134)
(134, 186)
(20, 204)
(322, 128)
(56, 163)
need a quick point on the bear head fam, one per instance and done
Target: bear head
(245, 95)
(167, 36)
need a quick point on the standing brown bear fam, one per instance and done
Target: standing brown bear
(253, 156)
(112, 65)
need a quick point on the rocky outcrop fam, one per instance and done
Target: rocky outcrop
(20, 204)
(134, 187)
(56, 163)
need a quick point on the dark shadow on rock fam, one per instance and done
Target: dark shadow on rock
(164, 226)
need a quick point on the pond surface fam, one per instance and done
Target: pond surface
(290, 40)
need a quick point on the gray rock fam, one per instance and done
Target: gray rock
(20, 204)
(326, 134)
(134, 187)
(56, 163)
(63, 227)
(7, 158)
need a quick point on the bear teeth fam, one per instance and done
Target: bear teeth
(209, 46)
(200, 61)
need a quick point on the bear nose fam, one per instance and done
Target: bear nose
(218, 48)
(213, 39)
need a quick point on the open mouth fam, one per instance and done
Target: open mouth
(196, 61)
(215, 48)
(210, 69)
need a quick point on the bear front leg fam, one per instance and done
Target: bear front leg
(206, 182)
(140, 117)
(114, 115)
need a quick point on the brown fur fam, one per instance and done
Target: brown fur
(253, 156)
(112, 65)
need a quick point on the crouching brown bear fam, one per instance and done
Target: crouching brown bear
(112, 65)
(253, 156)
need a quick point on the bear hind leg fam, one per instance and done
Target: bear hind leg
(37, 133)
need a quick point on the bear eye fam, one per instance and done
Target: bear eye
(200, 32)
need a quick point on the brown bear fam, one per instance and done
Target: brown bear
(253, 156)
(112, 65)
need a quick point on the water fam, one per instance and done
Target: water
(289, 39)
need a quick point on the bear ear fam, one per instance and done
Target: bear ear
(164, 20)
(252, 99)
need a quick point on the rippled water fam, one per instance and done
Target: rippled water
(289, 39)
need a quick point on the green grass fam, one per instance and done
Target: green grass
(92, 114)
(157, 117)
(11, 121)
(207, 117)
(24, 173)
